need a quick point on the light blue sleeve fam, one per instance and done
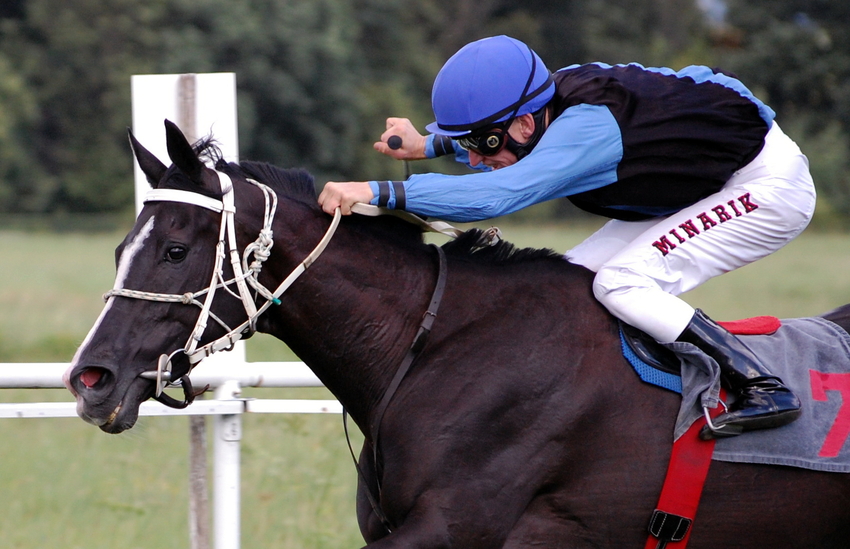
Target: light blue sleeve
(461, 154)
(580, 151)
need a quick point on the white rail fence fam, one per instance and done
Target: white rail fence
(199, 104)
(226, 378)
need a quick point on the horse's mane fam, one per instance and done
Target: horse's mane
(295, 183)
(474, 246)
(298, 184)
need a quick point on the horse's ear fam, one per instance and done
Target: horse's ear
(153, 169)
(182, 154)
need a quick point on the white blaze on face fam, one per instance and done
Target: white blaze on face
(124, 264)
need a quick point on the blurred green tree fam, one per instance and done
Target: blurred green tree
(795, 54)
(317, 78)
(296, 64)
(75, 58)
(23, 184)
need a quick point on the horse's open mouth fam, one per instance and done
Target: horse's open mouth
(126, 412)
(105, 424)
(104, 412)
(119, 420)
(112, 416)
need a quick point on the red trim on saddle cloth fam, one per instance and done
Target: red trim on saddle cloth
(691, 456)
(758, 325)
(686, 474)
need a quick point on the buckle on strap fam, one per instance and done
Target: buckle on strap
(668, 527)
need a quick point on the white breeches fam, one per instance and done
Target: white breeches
(641, 266)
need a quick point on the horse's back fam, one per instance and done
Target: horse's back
(840, 316)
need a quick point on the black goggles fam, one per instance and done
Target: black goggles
(486, 143)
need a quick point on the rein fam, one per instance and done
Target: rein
(244, 275)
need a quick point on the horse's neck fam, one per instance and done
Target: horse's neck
(353, 314)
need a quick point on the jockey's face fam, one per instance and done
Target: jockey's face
(520, 130)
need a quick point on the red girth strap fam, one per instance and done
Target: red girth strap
(680, 495)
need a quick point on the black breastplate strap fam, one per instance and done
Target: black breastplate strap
(414, 350)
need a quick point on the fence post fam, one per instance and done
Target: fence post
(226, 455)
(199, 513)
(198, 104)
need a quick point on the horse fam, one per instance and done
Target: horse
(516, 423)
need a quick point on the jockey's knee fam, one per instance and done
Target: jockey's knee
(639, 301)
(611, 283)
(615, 289)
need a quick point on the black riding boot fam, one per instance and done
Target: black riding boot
(762, 401)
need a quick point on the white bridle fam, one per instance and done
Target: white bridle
(244, 275)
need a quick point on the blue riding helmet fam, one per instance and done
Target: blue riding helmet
(488, 81)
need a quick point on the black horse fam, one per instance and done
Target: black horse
(519, 423)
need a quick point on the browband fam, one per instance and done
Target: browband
(187, 197)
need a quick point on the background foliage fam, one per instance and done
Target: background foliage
(317, 78)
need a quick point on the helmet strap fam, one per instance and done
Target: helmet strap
(521, 150)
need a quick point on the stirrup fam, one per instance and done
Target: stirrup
(718, 431)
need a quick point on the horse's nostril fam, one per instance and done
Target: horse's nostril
(91, 376)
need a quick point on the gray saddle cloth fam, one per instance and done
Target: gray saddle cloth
(812, 356)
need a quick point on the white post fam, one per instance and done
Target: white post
(199, 511)
(199, 104)
(226, 490)
(160, 96)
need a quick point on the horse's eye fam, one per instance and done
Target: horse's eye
(175, 254)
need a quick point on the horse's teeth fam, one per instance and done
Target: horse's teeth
(113, 415)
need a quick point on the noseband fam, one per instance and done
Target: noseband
(244, 275)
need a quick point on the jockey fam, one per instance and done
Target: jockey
(696, 178)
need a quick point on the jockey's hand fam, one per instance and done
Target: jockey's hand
(343, 195)
(412, 142)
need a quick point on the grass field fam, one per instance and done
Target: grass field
(65, 484)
